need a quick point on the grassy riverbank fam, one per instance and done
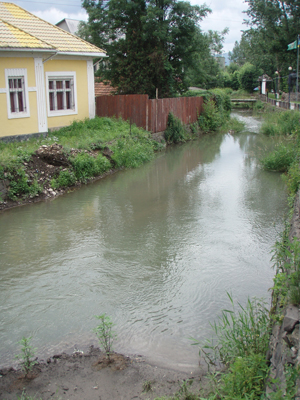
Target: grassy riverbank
(40, 168)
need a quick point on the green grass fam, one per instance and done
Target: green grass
(281, 123)
(233, 125)
(131, 147)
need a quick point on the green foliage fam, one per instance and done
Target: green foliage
(245, 377)
(271, 26)
(258, 106)
(105, 334)
(156, 43)
(247, 77)
(26, 355)
(222, 100)
(292, 178)
(147, 386)
(131, 152)
(175, 132)
(20, 185)
(65, 179)
(282, 123)
(280, 159)
(210, 120)
(233, 125)
(86, 166)
(287, 282)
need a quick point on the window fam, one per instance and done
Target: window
(61, 92)
(17, 93)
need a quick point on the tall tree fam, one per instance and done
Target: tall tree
(150, 43)
(273, 24)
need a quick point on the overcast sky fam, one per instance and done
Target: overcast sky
(225, 13)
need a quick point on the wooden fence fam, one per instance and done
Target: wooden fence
(151, 115)
(281, 104)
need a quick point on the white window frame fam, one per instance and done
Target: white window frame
(65, 75)
(17, 73)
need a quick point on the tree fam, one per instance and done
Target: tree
(150, 43)
(273, 24)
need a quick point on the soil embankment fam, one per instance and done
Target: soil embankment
(89, 377)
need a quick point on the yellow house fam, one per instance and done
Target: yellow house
(46, 74)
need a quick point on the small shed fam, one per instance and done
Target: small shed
(264, 79)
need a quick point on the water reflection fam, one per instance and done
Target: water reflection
(156, 248)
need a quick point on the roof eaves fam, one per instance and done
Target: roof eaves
(81, 53)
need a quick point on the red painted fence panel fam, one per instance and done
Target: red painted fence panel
(151, 115)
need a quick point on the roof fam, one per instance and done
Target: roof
(69, 25)
(101, 89)
(19, 29)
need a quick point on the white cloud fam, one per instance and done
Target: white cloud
(225, 13)
(53, 15)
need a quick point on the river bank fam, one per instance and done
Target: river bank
(88, 376)
(44, 168)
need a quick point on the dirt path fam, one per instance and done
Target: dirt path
(89, 377)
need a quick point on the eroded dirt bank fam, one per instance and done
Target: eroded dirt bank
(89, 377)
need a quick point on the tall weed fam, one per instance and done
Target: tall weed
(175, 131)
(281, 158)
(86, 166)
(132, 152)
(238, 333)
(210, 120)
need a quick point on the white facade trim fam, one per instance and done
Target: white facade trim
(40, 95)
(17, 73)
(91, 88)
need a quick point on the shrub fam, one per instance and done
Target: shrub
(246, 376)
(65, 179)
(86, 166)
(21, 185)
(247, 77)
(280, 159)
(131, 152)
(210, 119)
(175, 131)
(292, 179)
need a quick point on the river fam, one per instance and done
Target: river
(155, 248)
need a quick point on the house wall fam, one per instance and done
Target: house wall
(17, 126)
(80, 67)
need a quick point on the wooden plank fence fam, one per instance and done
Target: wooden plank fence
(151, 115)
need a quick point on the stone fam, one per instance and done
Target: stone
(290, 319)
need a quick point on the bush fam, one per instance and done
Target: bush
(132, 152)
(64, 179)
(247, 77)
(86, 166)
(20, 185)
(292, 179)
(283, 123)
(280, 159)
(210, 119)
(246, 376)
(175, 131)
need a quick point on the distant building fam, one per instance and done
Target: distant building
(69, 25)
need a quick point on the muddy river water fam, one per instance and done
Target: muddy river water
(155, 248)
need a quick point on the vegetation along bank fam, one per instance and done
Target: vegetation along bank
(42, 168)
